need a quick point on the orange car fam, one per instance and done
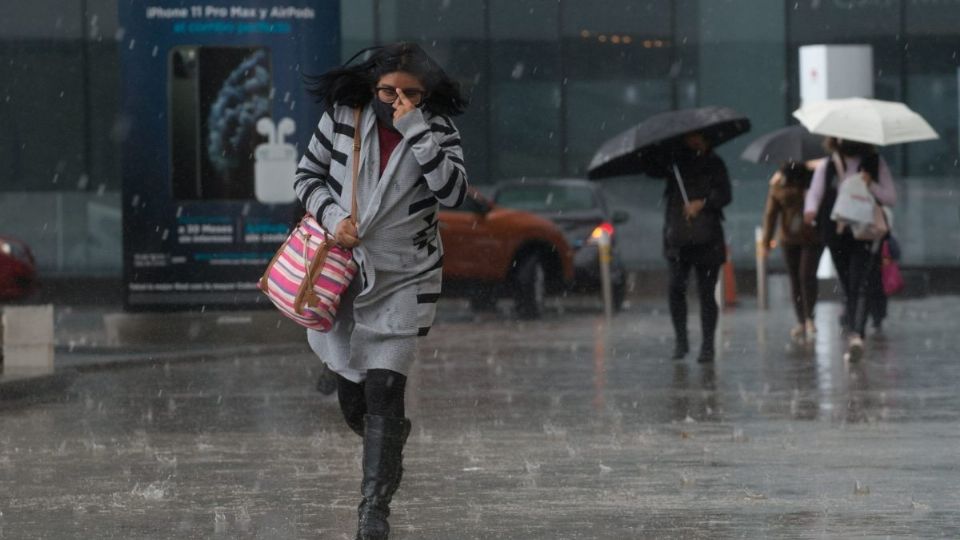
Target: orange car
(491, 251)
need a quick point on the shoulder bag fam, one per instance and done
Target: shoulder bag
(310, 271)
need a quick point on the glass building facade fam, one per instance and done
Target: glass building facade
(549, 81)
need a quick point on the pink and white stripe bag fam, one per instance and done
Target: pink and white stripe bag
(308, 275)
(310, 271)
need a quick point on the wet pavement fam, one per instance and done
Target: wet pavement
(563, 428)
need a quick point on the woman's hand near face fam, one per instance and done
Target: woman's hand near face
(346, 234)
(402, 105)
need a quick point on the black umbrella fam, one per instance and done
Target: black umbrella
(792, 143)
(636, 150)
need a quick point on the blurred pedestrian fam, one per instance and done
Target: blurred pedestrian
(799, 241)
(693, 235)
(876, 305)
(412, 162)
(854, 259)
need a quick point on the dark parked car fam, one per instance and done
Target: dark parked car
(580, 209)
(491, 251)
(18, 270)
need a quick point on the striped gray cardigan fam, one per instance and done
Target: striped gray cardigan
(400, 252)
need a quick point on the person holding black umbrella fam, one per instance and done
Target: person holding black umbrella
(693, 235)
(799, 241)
(678, 145)
(797, 150)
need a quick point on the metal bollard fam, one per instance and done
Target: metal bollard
(761, 269)
(603, 245)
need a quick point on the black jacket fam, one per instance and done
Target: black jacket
(705, 177)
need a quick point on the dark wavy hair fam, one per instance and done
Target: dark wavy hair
(352, 84)
(796, 174)
(848, 148)
(871, 164)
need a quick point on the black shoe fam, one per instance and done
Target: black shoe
(327, 382)
(383, 441)
(706, 356)
(680, 350)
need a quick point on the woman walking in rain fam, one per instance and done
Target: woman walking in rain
(853, 258)
(693, 236)
(801, 245)
(410, 162)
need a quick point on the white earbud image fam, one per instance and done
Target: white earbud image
(276, 162)
(265, 127)
(284, 129)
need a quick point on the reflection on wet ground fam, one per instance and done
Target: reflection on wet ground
(563, 428)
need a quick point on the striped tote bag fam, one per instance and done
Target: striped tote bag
(310, 271)
(308, 275)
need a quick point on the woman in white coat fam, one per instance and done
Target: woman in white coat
(410, 162)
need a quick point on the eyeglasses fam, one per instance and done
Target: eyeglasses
(388, 94)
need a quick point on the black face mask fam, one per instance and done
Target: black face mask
(384, 112)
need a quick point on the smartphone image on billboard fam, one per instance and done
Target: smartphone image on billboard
(216, 97)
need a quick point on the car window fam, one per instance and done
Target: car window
(547, 198)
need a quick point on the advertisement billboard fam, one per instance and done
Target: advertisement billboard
(214, 110)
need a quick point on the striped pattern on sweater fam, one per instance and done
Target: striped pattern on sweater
(400, 253)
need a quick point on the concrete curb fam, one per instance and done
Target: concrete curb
(36, 388)
(98, 362)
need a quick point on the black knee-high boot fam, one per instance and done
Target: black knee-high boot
(353, 404)
(383, 441)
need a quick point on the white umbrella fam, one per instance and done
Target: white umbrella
(870, 121)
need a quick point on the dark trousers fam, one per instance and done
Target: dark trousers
(863, 279)
(381, 394)
(706, 283)
(840, 246)
(802, 261)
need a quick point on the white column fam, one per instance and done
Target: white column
(28, 339)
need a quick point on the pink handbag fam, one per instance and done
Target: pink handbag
(890, 272)
(310, 271)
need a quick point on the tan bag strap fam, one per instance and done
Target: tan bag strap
(305, 295)
(356, 165)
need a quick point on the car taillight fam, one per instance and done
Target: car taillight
(600, 230)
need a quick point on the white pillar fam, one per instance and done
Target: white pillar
(28, 339)
(835, 71)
